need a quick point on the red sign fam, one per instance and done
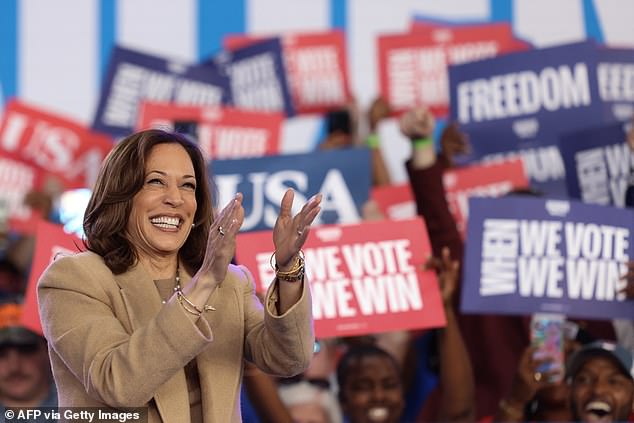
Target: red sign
(316, 66)
(50, 241)
(396, 202)
(17, 179)
(365, 278)
(413, 66)
(223, 133)
(490, 180)
(63, 148)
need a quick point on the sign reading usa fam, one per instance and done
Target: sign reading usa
(57, 146)
(257, 77)
(316, 67)
(221, 132)
(598, 164)
(413, 66)
(134, 76)
(342, 176)
(365, 278)
(528, 255)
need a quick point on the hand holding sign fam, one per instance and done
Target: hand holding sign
(447, 270)
(628, 289)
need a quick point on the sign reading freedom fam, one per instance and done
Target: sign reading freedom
(365, 278)
(529, 255)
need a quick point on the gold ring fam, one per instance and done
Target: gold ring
(299, 232)
(222, 231)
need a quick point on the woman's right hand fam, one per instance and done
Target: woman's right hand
(221, 244)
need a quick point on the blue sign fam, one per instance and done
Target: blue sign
(134, 77)
(342, 176)
(529, 93)
(615, 74)
(529, 255)
(598, 164)
(257, 76)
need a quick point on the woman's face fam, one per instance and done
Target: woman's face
(163, 210)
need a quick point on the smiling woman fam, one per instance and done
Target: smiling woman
(153, 314)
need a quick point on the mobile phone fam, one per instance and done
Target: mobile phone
(547, 337)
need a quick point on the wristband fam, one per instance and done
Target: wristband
(373, 141)
(422, 143)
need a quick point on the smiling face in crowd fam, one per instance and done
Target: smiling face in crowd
(163, 210)
(601, 392)
(372, 391)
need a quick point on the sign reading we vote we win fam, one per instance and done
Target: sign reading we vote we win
(528, 255)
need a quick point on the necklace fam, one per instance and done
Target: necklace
(177, 279)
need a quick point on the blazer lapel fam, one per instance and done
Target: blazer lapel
(143, 303)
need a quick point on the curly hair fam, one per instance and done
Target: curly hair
(120, 178)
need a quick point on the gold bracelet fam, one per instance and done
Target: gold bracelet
(181, 297)
(296, 272)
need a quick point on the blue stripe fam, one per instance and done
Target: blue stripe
(593, 27)
(216, 18)
(107, 33)
(9, 47)
(338, 14)
(502, 11)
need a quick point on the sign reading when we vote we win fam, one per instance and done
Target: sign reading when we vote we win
(365, 278)
(528, 255)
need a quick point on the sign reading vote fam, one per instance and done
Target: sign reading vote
(221, 132)
(134, 77)
(59, 147)
(528, 255)
(316, 67)
(413, 66)
(598, 164)
(342, 176)
(257, 77)
(50, 242)
(365, 278)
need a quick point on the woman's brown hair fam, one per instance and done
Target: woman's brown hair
(122, 175)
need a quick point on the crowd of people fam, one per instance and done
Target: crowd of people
(153, 314)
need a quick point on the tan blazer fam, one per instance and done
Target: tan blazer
(113, 343)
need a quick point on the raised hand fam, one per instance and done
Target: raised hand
(417, 123)
(290, 232)
(628, 277)
(448, 274)
(453, 142)
(221, 243)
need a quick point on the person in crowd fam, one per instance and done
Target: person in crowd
(601, 378)
(153, 314)
(310, 402)
(25, 373)
(370, 379)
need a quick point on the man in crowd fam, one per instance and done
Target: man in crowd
(601, 377)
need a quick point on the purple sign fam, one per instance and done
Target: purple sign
(257, 77)
(598, 164)
(342, 176)
(530, 255)
(134, 77)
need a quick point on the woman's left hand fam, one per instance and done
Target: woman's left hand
(290, 232)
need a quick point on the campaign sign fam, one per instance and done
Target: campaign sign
(493, 180)
(134, 76)
(316, 67)
(221, 132)
(257, 77)
(396, 202)
(598, 164)
(530, 255)
(50, 242)
(540, 155)
(342, 176)
(17, 179)
(364, 278)
(529, 93)
(413, 66)
(58, 146)
(615, 75)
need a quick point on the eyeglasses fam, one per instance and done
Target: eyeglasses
(318, 382)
